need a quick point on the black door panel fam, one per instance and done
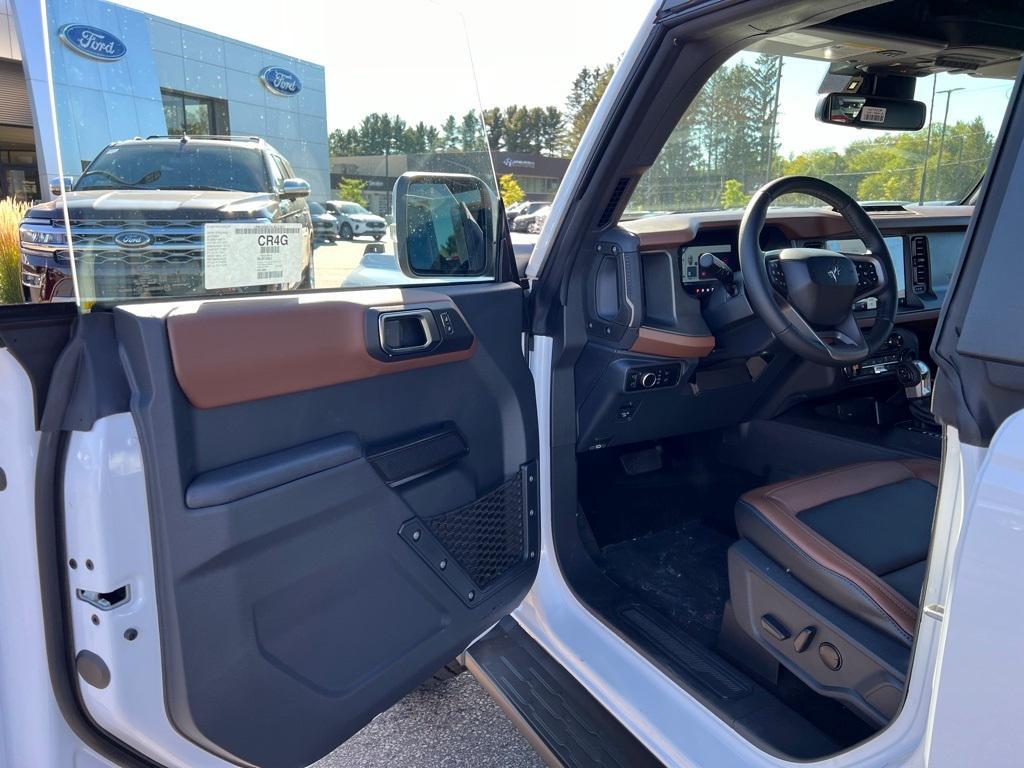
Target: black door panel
(295, 601)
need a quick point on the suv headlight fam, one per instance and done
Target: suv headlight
(42, 234)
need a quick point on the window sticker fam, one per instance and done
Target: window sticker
(240, 255)
(873, 114)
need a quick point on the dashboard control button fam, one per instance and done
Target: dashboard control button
(648, 380)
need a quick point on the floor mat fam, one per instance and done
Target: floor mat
(681, 572)
(692, 485)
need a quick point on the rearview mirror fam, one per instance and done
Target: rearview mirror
(444, 225)
(878, 113)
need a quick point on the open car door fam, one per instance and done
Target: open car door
(278, 482)
(279, 513)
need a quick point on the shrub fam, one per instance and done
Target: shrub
(11, 214)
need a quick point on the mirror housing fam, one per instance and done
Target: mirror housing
(293, 189)
(444, 225)
(880, 113)
(55, 184)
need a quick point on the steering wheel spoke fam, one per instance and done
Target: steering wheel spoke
(776, 276)
(871, 274)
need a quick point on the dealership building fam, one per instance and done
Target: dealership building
(537, 175)
(119, 73)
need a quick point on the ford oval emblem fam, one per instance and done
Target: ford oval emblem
(92, 42)
(281, 81)
(132, 239)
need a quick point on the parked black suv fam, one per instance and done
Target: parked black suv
(138, 214)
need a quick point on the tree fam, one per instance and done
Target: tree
(471, 134)
(352, 190)
(510, 190)
(450, 134)
(344, 143)
(587, 90)
(733, 195)
(494, 121)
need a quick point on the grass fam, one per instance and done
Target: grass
(11, 214)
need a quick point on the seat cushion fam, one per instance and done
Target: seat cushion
(857, 535)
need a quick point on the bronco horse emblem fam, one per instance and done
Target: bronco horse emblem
(833, 272)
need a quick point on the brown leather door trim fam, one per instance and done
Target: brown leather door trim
(653, 341)
(237, 350)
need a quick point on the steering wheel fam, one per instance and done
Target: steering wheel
(806, 295)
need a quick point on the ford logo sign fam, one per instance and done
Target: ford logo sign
(92, 42)
(132, 239)
(280, 81)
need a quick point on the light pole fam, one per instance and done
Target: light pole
(942, 139)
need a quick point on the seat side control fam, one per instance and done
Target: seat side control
(774, 627)
(803, 639)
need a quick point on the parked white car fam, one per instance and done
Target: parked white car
(535, 221)
(355, 221)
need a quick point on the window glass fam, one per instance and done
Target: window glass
(350, 113)
(178, 201)
(754, 120)
(172, 164)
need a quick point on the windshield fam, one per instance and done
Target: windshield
(352, 208)
(316, 208)
(754, 121)
(176, 165)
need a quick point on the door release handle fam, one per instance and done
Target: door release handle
(407, 331)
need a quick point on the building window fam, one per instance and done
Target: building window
(194, 115)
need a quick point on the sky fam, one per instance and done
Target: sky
(524, 51)
(412, 57)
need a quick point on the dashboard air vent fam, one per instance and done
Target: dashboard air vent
(613, 201)
(920, 273)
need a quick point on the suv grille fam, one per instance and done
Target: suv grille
(171, 264)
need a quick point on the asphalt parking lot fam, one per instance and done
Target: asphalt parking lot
(332, 262)
(451, 726)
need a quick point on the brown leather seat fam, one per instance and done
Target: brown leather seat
(857, 535)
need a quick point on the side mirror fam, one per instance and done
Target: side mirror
(55, 184)
(444, 225)
(879, 113)
(293, 189)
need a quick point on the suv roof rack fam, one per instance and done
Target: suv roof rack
(205, 136)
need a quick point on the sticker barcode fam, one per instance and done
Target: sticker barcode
(264, 230)
(269, 275)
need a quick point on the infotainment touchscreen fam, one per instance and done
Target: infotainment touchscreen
(895, 246)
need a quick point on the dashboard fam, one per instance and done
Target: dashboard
(924, 258)
(678, 346)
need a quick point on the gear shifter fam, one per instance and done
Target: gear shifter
(916, 379)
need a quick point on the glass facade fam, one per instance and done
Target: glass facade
(194, 115)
